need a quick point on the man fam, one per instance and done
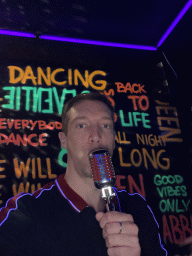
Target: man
(68, 216)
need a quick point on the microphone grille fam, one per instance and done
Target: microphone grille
(102, 168)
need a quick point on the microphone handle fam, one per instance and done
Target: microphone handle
(110, 206)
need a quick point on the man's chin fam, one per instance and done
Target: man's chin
(87, 177)
(87, 173)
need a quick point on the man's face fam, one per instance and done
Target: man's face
(90, 127)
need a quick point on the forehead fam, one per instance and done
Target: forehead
(89, 108)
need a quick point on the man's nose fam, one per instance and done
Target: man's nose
(95, 134)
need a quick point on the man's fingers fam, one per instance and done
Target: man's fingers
(121, 240)
(115, 217)
(99, 215)
(111, 228)
(129, 228)
(123, 251)
(120, 233)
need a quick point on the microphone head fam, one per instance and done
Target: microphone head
(102, 169)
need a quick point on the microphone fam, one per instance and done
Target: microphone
(103, 175)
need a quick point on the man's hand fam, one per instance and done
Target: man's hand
(120, 233)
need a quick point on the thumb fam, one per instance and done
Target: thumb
(99, 215)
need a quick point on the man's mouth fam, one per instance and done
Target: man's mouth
(97, 149)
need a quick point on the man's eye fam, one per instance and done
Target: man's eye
(81, 125)
(106, 126)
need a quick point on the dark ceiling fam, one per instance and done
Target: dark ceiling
(132, 22)
(139, 22)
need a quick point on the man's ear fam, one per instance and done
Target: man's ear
(62, 138)
(114, 140)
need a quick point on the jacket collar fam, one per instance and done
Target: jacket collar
(68, 193)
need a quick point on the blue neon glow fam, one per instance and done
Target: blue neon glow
(101, 43)
(175, 22)
(151, 213)
(43, 190)
(16, 33)
(114, 188)
(162, 244)
(153, 216)
(22, 194)
(12, 209)
(66, 197)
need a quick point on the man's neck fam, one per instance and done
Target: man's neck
(85, 188)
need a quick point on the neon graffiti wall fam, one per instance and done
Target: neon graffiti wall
(149, 142)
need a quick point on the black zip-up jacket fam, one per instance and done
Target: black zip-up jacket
(56, 221)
